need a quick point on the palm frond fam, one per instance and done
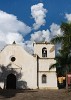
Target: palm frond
(66, 27)
(53, 66)
(57, 39)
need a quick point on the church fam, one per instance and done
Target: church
(21, 70)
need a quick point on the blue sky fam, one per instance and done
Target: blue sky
(21, 9)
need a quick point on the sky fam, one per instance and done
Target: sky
(28, 21)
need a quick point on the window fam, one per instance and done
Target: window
(44, 78)
(44, 52)
(13, 59)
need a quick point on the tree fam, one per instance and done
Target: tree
(63, 64)
(64, 39)
(64, 57)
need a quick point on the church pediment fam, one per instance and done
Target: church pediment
(14, 66)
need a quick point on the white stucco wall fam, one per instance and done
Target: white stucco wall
(51, 81)
(50, 53)
(27, 62)
(44, 64)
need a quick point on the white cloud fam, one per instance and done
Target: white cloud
(46, 35)
(11, 37)
(11, 29)
(37, 36)
(28, 46)
(2, 45)
(10, 23)
(38, 13)
(55, 30)
(68, 17)
(40, 36)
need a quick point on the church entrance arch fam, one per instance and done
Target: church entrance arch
(11, 81)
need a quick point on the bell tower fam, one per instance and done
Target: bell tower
(44, 50)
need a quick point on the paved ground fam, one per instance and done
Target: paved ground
(35, 95)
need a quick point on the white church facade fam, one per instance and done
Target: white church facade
(21, 70)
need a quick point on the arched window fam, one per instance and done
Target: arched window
(44, 78)
(44, 52)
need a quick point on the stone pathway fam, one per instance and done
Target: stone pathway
(35, 94)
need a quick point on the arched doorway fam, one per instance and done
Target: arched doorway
(11, 81)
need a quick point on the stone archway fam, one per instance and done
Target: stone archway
(11, 81)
